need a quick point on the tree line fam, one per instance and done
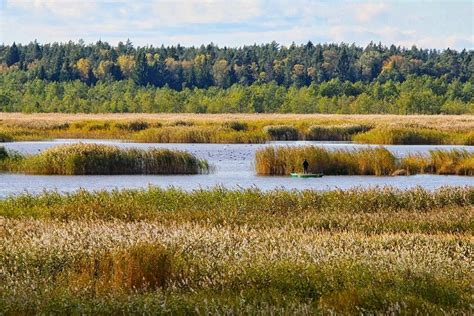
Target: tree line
(309, 78)
(181, 67)
(415, 95)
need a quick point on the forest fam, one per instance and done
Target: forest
(312, 78)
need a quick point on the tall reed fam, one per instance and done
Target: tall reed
(4, 137)
(342, 132)
(246, 251)
(286, 160)
(83, 159)
(365, 161)
(203, 134)
(281, 132)
(413, 136)
(438, 161)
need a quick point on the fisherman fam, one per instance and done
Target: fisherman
(305, 166)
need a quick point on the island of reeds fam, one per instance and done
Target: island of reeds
(235, 128)
(220, 251)
(98, 159)
(377, 161)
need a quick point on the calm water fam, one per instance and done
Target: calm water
(233, 168)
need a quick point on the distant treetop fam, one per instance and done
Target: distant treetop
(179, 67)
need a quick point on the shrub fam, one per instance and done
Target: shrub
(281, 132)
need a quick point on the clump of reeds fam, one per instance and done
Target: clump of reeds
(335, 132)
(141, 267)
(135, 126)
(3, 153)
(201, 134)
(410, 136)
(4, 137)
(182, 123)
(281, 132)
(82, 159)
(365, 161)
(438, 161)
(92, 126)
(236, 125)
(285, 160)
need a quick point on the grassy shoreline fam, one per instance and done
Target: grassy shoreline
(238, 251)
(246, 128)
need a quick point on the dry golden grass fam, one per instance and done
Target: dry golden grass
(233, 128)
(220, 251)
(428, 121)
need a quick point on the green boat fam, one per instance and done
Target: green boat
(306, 175)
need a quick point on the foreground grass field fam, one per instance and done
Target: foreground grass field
(241, 128)
(231, 252)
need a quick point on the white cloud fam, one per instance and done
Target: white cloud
(230, 23)
(365, 12)
(59, 8)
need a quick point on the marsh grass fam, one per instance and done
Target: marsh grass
(89, 159)
(342, 208)
(413, 136)
(247, 251)
(286, 160)
(193, 134)
(342, 132)
(4, 137)
(250, 128)
(454, 161)
(281, 132)
(365, 161)
(139, 268)
(236, 125)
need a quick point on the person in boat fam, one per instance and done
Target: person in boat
(305, 166)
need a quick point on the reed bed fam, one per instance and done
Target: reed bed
(286, 160)
(326, 210)
(233, 128)
(414, 136)
(4, 137)
(454, 161)
(281, 132)
(97, 159)
(365, 161)
(343, 132)
(185, 134)
(220, 251)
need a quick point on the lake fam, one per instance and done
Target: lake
(233, 169)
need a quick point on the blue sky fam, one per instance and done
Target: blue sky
(427, 24)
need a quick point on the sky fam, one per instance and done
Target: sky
(234, 23)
